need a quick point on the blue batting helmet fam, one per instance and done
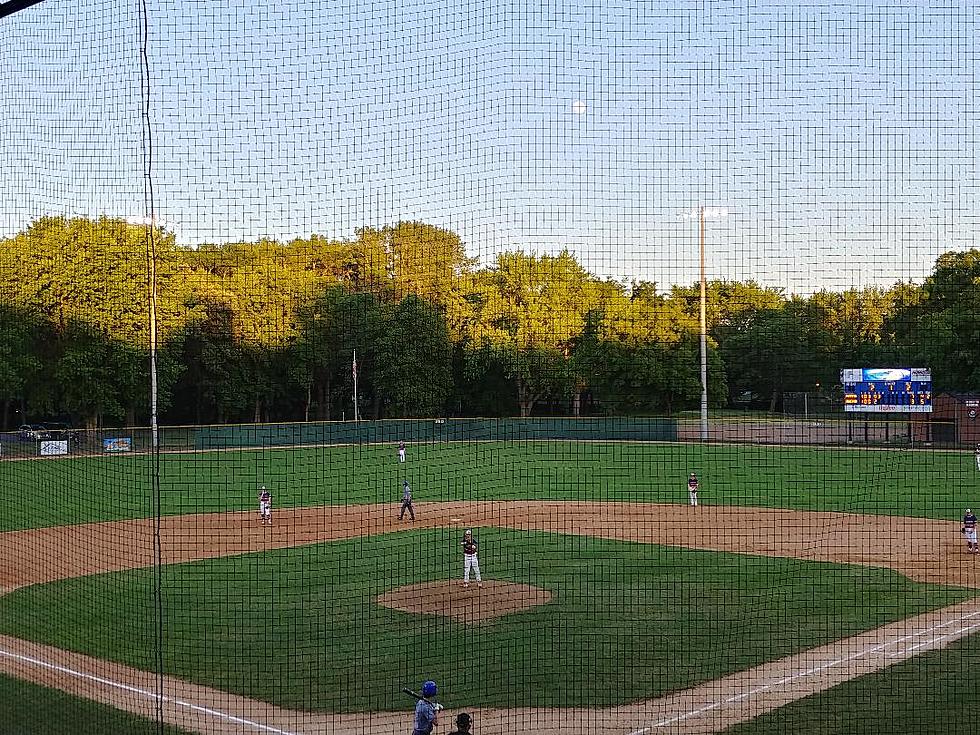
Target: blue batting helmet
(429, 689)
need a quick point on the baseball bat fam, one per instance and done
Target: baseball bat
(418, 696)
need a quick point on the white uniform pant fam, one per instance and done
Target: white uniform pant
(694, 496)
(470, 562)
(401, 455)
(265, 509)
(970, 535)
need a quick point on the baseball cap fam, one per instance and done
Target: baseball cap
(463, 719)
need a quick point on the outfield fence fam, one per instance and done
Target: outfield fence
(849, 431)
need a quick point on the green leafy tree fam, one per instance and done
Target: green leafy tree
(414, 365)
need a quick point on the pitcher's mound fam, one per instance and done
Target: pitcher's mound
(467, 605)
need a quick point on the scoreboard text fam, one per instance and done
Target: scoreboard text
(880, 390)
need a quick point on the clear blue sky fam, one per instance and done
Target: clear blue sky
(842, 137)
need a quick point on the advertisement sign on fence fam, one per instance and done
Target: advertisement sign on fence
(118, 444)
(53, 448)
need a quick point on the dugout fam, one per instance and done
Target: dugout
(955, 419)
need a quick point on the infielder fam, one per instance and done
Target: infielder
(406, 501)
(426, 711)
(969, 531)
(692, 488)
(470, 560)
(265, 506)
(401, 451)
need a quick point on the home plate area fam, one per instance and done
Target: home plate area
(472, 604)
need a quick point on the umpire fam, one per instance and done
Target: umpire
(463, 724)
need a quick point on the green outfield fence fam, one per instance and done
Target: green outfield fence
(844, 432)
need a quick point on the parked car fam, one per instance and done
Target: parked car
(32, 432)
(60, 432)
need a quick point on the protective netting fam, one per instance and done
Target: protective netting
(612, 366)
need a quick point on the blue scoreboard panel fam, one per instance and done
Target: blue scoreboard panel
(899, 390)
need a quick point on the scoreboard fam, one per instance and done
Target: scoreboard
(881, 390)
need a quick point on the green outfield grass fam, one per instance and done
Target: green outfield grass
(932, 694)
(28, 709)
(922, 483)
(299, 627)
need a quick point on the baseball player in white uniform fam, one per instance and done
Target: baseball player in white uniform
(969, 530)
(265, 506)
(401, 451)
(470, 560)
(692, 488)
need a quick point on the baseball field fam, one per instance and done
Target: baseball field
(610, 605)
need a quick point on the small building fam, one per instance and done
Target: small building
(955, 419)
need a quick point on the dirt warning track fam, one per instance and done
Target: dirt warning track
(924, 550)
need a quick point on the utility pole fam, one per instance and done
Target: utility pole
(704, 340)
(353, 367)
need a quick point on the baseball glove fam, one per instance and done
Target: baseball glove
(963, 530)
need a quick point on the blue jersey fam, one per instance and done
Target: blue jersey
(969, 521)
(425, 717)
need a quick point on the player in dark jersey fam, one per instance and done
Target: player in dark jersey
(470, 560)
(970, 531)
(692, 488)
(406, 501)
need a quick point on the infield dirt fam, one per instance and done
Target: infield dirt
(924, 550)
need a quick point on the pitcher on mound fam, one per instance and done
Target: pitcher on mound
(470, 560)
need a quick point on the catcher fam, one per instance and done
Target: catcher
(969, 531)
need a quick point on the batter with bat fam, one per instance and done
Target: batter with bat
(426, 711)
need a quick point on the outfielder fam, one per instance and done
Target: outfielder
(969, 531)
(401, 451)
(426, 711)
(977, 455)
(470, 560)
(692, 488)
(265, 506)
(406, 502)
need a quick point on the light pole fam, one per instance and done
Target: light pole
(704, 339)
(715, 213)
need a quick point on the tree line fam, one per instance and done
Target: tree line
(266, 331)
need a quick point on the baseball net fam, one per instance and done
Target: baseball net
(346, 349)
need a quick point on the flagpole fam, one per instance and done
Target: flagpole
(357, 416)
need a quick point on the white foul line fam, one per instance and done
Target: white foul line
(146, 693)
(817, 669)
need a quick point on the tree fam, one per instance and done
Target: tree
(414, 360)
(527, 311)
(89, 280)
(20, 361)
